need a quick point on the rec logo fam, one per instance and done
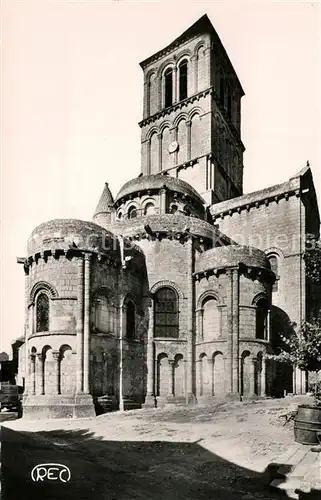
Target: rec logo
(51, 472)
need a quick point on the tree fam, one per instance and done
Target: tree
(302, 349)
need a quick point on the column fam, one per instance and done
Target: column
(189, 144)
(80, 327)
(210, 388)
(171, 378)
(150, 353)
(32, 359)
(121, 339)
(175, 93)
(192, 75)
(268, 330)
(199, 321)
(56, 359)
(235, 340)
(229, 343)
(86, 322)
(40, 385)
(190, 313)
(252, 377)
(263, 377)
(160, 166)
(199, 386)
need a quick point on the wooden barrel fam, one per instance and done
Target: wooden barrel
(307, 424)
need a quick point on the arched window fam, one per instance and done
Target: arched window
(42, 313)
(211, 318)
(166, 322)
(130, 320)
(274, 263)
(168, 87)
(132, 213)
(182, 76)
(174, 209)
(120, 215)
(149, 209)
(261, 319)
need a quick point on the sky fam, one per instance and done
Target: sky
(71, 100)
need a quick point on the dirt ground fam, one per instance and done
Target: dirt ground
(223, 451)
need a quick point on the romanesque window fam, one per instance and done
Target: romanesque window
(130, 320)
(120, 215)
(211, 319)
(149, 209)
(168, 87)
(42, 313)
(275, 268)
(166, 313)
(261, 319)
(101, 314)
(132, 213)
(182, 76)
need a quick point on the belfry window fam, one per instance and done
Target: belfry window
(275, 268)
(166, 322)
(168, 87)
(182, 75)
(42, 313)
(132, 213)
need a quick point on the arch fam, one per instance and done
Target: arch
(151, 131)
(275, 256)
(164, 125)
(200, 68)
(166, 159)
(211, 317)
(166, 313)
(103, 310)
(201, 44)
(43, 285)
(67, 370)
(153, 153)
(204, 376)
(120, 215)
(218, 374)
(195, 111)
(184, 54)
(171, 284)
(208, 293)
(257, 297)
(181, 132)
(246, 373)
(163, 375)
(42, 312)
(179, 375)
(196, 129)
(48, 378)
(149, 208)
(179, 117)
(132, 212)
(152, 93)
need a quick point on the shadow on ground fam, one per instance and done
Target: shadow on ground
(125, 470)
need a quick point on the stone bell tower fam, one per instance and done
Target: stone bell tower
(191, 127)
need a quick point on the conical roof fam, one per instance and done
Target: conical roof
(106, 202)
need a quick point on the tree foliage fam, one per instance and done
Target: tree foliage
(312, 259)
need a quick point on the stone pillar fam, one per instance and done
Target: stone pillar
(229, 343)
(122, 327)
(190, 396)
(235, 339)
(252, 377)
(189, 144)
(146, 103)
(56, 359)
(86, 322)
(32, 386)
(160, 166)
(175, 86)
(199, 321)
(40, 383)
(150, 396)
(268, 329)
(192, 75)
(263, 377)
(210, 388)
(80, 327)
(171, 378)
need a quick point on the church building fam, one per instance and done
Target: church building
(181, 284)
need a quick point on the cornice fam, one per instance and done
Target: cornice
(266, 200)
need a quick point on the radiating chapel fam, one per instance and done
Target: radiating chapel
(181, 284)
